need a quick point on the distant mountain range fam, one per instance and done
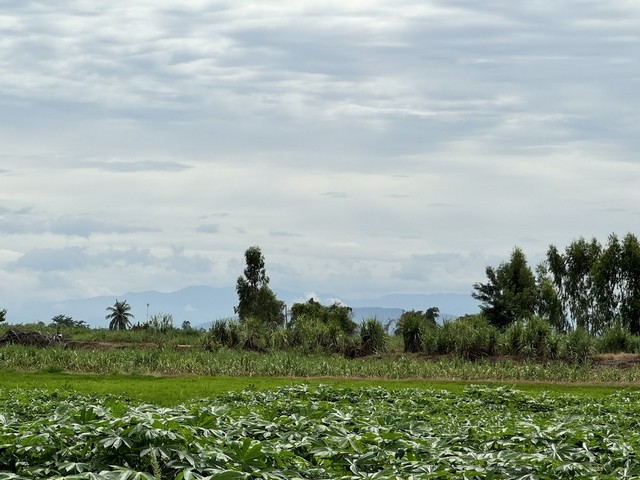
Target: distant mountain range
(200, 305)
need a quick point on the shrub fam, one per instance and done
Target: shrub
(533, 338)
(511, 340)
(161, 322)
(577, 346)
(226, 333)
(373, 337)
(279, 338)
(310, 335)
(417, 332)
(616, 339)
(469, 337)
(349, 345)
(255, 334)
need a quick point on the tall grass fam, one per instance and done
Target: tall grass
(293, 364)
(469, 338)
(373, 337)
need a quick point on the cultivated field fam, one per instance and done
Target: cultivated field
(320, 433)
(141, 360)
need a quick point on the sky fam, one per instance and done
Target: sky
(367, 147)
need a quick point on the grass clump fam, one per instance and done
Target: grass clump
(373, 337)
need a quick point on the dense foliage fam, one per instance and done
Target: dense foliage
(588, 285)
(326, 432)
(336, 314)
(255, 298)
(416, 328)
(599, 285)
(510, 292)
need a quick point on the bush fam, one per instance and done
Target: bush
(417, 332)
(255, 334)
(161, 322)
(617, 339)
(373, 337)
(225, 333)
(533, 338)
(349, 345)
(511, 340)
(310, 335)
(577, 346)
(279, 338)
(469, 337)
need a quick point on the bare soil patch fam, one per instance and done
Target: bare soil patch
(616, 360)
(110, 345)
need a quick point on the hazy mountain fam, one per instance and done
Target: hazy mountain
(202, 304)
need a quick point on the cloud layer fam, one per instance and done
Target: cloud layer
(368, 148)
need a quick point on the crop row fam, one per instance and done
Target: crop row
(320, 433)
(292, 364)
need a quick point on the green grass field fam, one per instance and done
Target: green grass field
(173, 390)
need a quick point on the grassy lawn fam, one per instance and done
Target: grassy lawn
(173, 390)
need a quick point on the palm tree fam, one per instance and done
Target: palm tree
(119, 315)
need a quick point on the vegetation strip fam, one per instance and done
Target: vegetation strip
(173, 390)
(319, 432)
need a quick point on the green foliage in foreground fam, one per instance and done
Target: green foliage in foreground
(326, 432)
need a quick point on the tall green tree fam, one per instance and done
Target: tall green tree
(510, 292)
(119, 316)
(3, 315)
(606, 285)
(548, 304)
(255, 298)
(573, 276)
(630, 283)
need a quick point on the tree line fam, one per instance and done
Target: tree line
(588, 285)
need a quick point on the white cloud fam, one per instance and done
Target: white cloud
(368, 148)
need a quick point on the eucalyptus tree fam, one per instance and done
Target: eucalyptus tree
(119, 316)
(573, 276)
(607, 273)
(630, 283)
(255, 298)
(548, 304)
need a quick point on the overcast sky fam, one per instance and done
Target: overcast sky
(368, 147)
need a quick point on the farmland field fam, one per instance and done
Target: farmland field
(236, 363)
(323, 432)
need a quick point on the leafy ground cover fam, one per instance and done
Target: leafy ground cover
(322, 432)
(173, 390)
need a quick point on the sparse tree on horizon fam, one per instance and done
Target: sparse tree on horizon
(255, 298)
(119, 316)
(67, 321)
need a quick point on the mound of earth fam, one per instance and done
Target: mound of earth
(31, 338)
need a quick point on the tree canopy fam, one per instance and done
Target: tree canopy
(597, 284)
(67, 321)
(119, 316)
(255, 298)
(334, 314)
(510, 293)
